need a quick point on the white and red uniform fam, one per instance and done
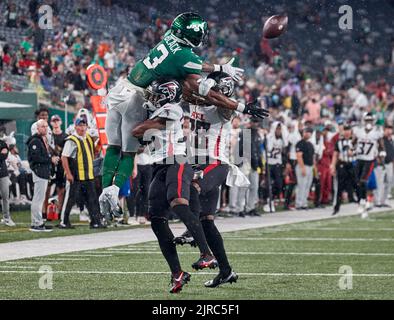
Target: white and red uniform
(168, 142)
(367, 143)
(210, 133)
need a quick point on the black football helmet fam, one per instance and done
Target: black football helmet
(161, 92)
(224, 83)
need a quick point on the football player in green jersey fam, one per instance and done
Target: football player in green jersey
(172, 57)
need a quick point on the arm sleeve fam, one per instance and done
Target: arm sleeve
(3, 156)
(299, 147)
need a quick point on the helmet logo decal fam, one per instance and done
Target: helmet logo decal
(226, 85)
(170, 89)
(197, 26)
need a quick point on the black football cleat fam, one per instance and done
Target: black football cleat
(179, 281)
(185, 238)
(205, 261)
(222, 279)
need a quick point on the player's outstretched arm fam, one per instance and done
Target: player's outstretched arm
(191, 87)
(234, 72)
(157, 123)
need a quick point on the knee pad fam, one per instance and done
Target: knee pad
(207, 217)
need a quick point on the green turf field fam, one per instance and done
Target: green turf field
(298, 261)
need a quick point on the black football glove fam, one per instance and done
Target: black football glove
(254, 109)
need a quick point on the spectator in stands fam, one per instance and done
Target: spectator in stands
(313, 107)
(40, 160)
(43, 114)
(348, 69)
(39, 37)
(11, 16)
(5, 185)
(33, 9)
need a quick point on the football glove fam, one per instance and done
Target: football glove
(234, 72)
(254, 109)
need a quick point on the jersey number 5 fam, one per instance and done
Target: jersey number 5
(156, 60)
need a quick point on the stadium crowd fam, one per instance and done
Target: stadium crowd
(294, 156)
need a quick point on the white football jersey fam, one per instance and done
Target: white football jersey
(275, 149)
(367, 143)
(275, 146)
(210, 133)
(170, 141)
(294, 138)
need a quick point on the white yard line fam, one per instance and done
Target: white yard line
(247, 253)
(64, 259)
(333, 229)
(18, 267)
(131, 249)
(269, 274)
(67, 244)
(17, 262)
(85, 255)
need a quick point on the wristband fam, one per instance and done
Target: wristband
(217, 67)
(240, 107)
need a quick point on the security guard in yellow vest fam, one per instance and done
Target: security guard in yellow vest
(77, 160)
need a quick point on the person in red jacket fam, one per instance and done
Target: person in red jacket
(323, 167)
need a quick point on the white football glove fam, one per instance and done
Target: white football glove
(205, 85)
(234, 72)
(382, 154)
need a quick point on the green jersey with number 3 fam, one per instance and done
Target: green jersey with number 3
(168, 59)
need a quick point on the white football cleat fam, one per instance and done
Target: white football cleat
(364, 215)
(362, 206)
(8, 222)
(83, 217)
(266, 207)
(132, 222)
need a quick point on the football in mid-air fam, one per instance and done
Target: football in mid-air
(275, 26)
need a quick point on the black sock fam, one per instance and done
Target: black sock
(165, 236)
(215, 242)
(194, 202)
(193, 224)
(363, 190)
